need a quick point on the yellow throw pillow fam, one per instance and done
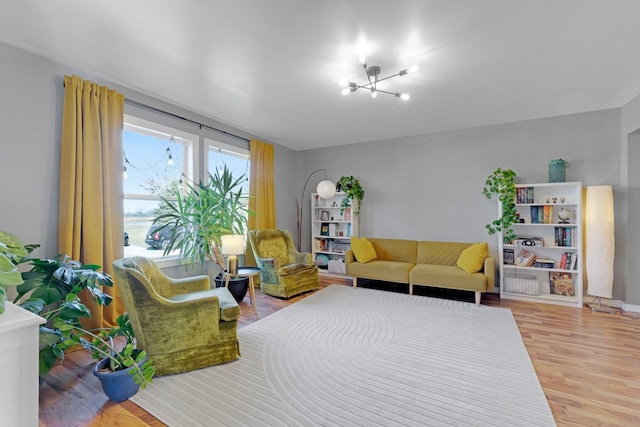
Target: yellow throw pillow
(472, 259)
(363, 250)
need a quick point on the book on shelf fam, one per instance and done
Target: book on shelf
(565, 236)
(563, 261)
(544, 263)
(572, 261)
(508, 256)
(524, 195)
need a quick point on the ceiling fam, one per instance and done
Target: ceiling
(271, 67)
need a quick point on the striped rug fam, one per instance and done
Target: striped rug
(362, 357)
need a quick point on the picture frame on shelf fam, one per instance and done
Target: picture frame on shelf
(324, 229)
(324, 216)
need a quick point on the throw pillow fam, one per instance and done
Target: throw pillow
(363, 250)
(472, 258)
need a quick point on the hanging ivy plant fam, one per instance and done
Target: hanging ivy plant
(352, 188)
(502, 183)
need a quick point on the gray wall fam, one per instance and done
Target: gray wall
(30, 128)
(429, 187)
(423, 187)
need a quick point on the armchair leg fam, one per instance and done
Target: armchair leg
(355, 282)
(478, 295)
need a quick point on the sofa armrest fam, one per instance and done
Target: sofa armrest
(490, 272)
(348, 259)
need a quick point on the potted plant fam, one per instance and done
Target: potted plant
(12, 251)
(200, 215)
(353, 190)
(51, 290)
(502, 183)
(122, 372)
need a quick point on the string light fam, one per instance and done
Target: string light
(170, 160)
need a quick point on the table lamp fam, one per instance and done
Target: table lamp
(232, 245)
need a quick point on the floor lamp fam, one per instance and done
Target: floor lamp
(600, 245)
(325, 189)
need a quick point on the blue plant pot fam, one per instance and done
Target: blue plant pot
(118, 385)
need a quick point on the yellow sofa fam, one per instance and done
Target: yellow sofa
(421, 263)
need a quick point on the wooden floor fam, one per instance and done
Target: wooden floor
(588, 365)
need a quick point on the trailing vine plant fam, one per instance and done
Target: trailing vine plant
(502, 183)
(353, 190)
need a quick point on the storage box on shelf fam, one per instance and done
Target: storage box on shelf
(545, 262)
(331, 231)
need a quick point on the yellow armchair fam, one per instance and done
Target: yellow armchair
(183, 324)
(285, 272)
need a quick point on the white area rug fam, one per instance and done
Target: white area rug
(361, 357)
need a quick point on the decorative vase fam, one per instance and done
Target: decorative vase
(557, 170)
(237, 286)
(117, 385)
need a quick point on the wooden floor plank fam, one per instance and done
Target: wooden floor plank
(588, 365)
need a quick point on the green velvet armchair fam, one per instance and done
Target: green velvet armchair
(285, 272)
(183, 324)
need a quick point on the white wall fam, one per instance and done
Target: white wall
(429, 187)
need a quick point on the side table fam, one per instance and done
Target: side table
(249, 272)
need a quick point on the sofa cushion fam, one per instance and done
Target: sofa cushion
(395, 249)
(440, 253)
(472, 259)
(363, 249)
(388, 271)
(447, 276)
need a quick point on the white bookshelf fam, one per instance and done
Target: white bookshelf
(550, 238)
(331, 231)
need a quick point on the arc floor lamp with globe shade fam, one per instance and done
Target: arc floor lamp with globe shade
(326, 189)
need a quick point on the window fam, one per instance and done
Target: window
(157, 158)
(236, 159)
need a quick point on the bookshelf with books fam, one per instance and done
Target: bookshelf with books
(545, 262)
(331, 231)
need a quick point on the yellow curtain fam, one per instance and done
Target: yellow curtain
(261, 187)
(90, 224)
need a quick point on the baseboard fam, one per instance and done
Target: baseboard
(614, 303)
(630, 307)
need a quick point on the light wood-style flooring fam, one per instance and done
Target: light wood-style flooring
(588, 365)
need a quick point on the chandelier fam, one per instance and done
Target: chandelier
(373, 78)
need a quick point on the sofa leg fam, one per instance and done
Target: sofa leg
(410, 288)
(478, 295)
(355, 282)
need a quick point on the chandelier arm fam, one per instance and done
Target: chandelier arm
(387, 78)
(384, 91)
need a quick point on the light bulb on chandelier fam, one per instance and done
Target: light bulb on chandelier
(373, 73)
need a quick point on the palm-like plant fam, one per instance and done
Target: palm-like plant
(202, 214)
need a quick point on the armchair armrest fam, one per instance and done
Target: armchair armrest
(268, 270)
(186, 285)
(301, 258)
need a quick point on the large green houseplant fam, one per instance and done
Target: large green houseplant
(353, 190)
(502, 184)
(50, 289)
(202, 214)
